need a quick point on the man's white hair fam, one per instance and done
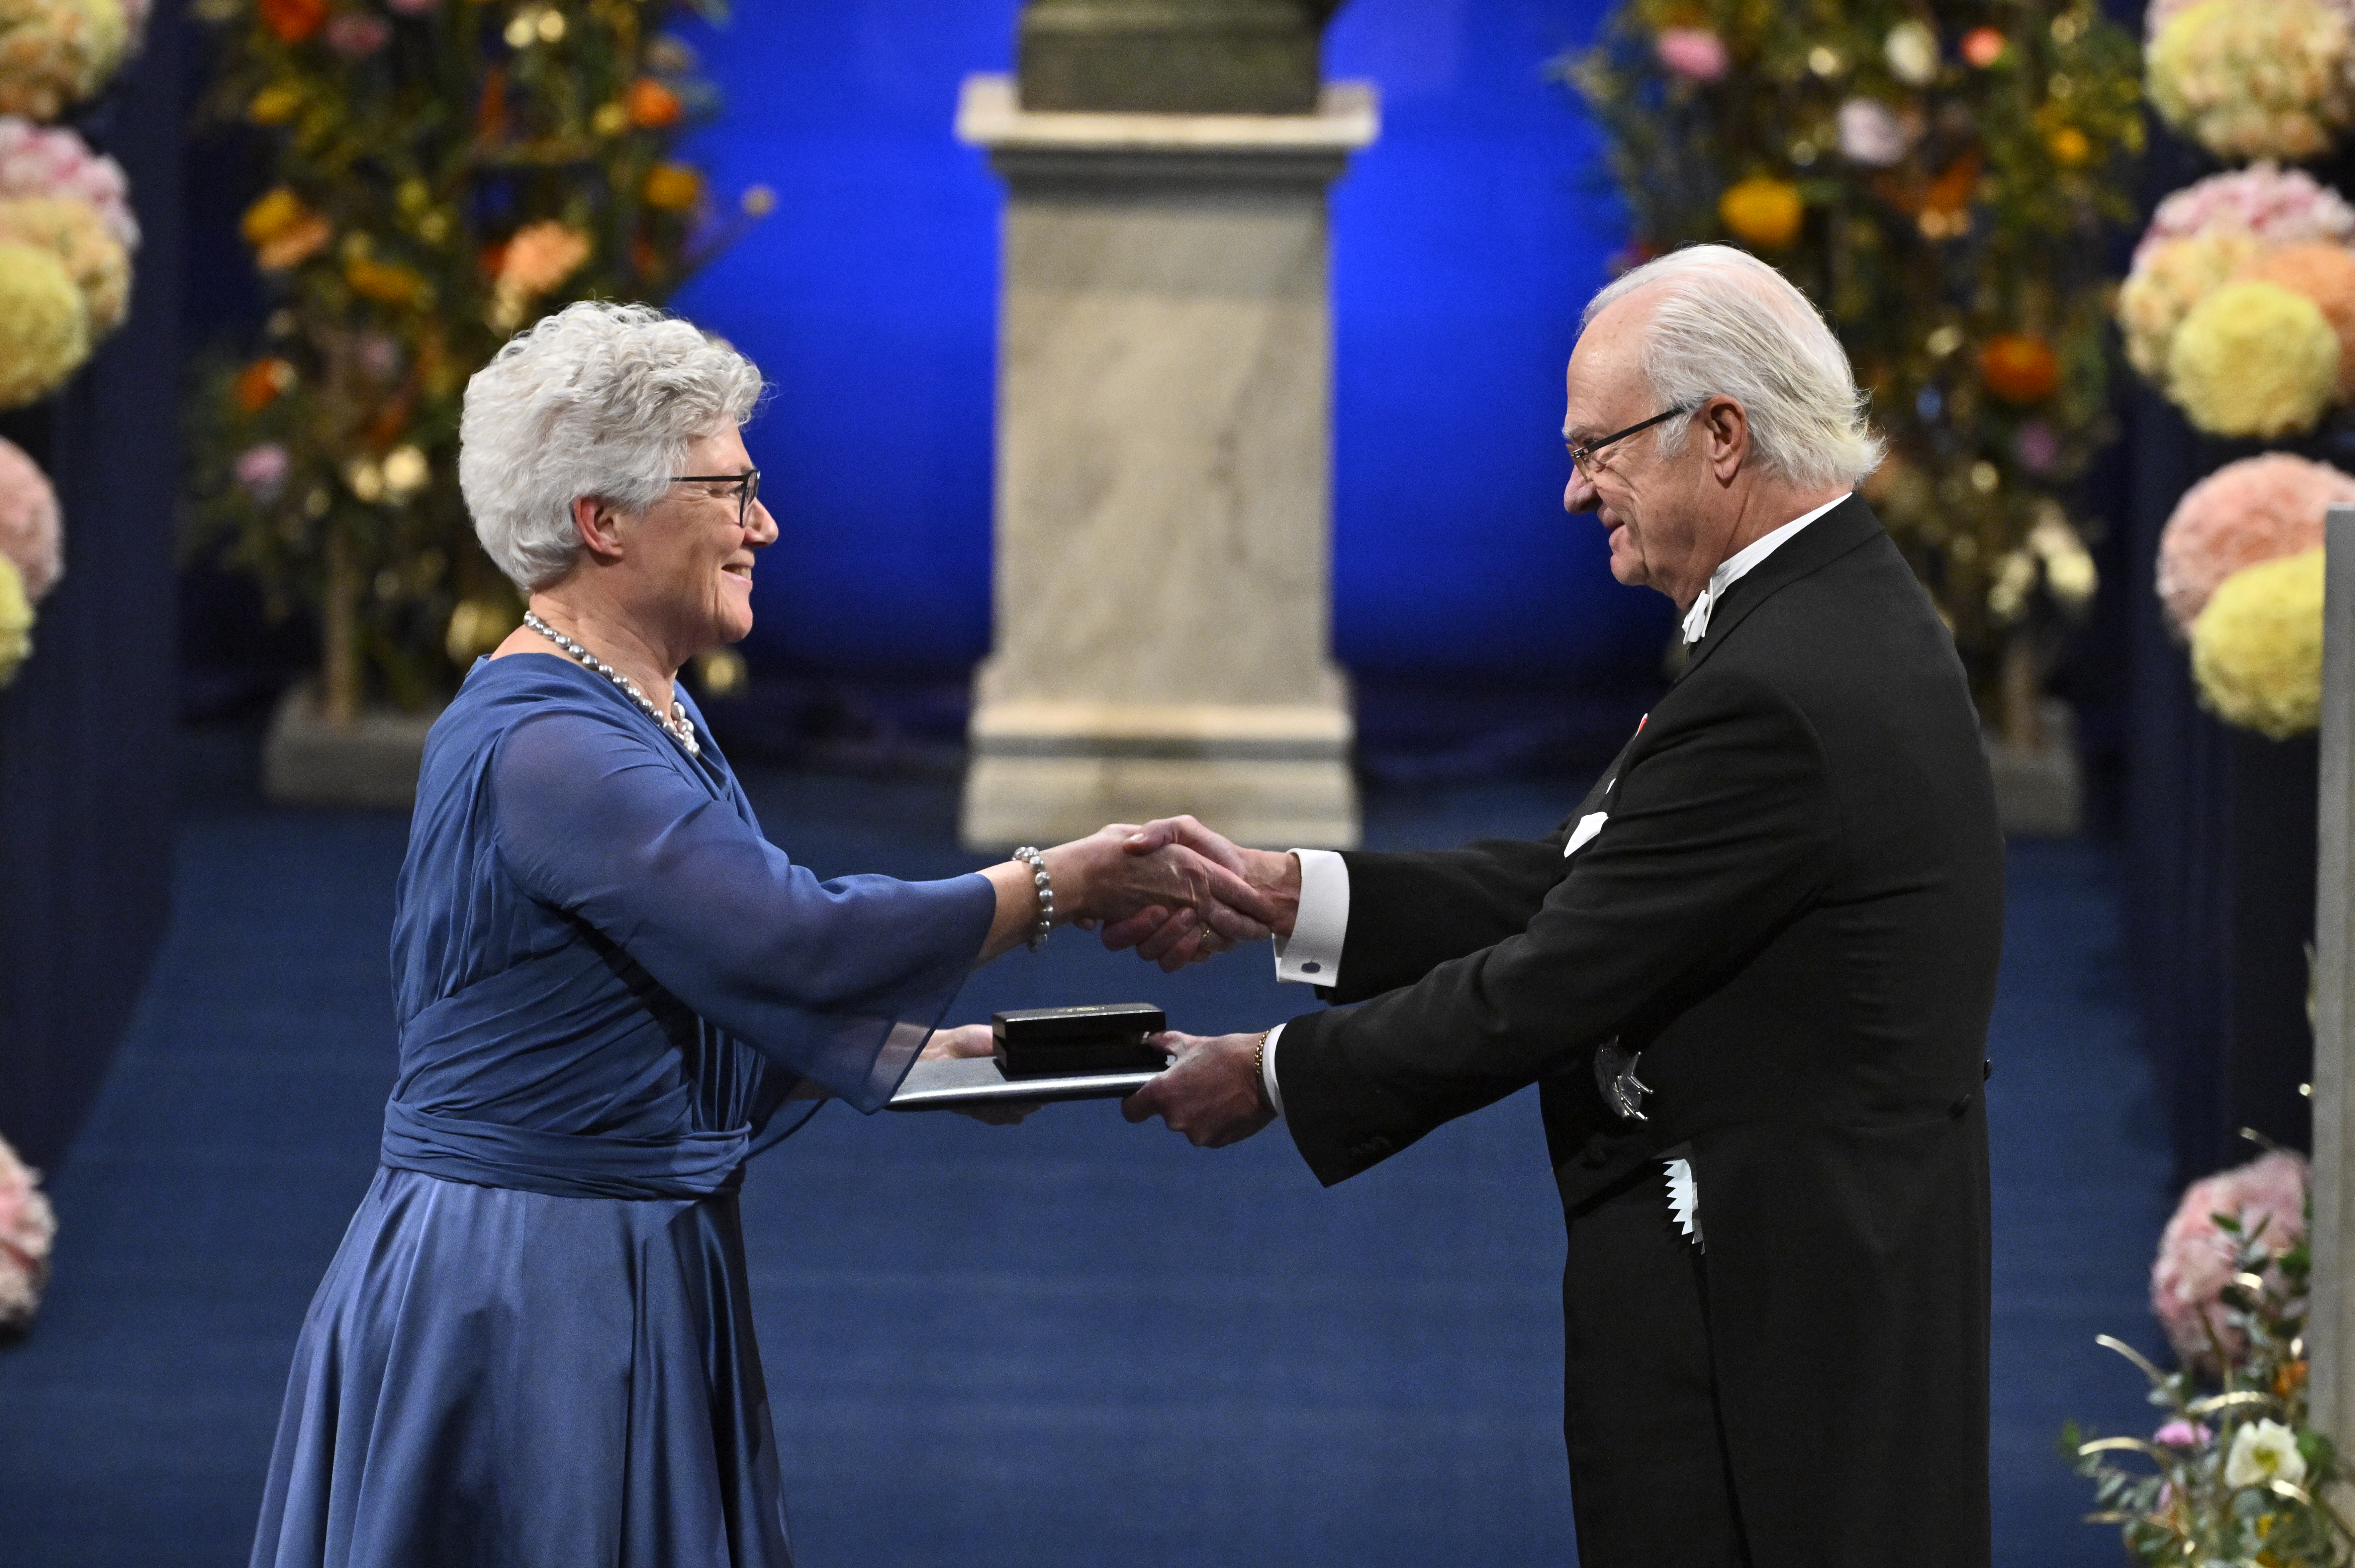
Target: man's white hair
(1725, 324)
(598, 399)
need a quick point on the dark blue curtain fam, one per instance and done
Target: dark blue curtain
(86, 775)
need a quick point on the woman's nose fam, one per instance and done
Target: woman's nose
(1578, 496)
(763, 531)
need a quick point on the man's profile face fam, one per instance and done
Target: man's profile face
(1636, 494)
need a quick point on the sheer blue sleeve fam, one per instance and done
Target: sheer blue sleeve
(839, 981)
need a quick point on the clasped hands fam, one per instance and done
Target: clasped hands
(1212, 1091)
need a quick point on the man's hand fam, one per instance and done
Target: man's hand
(1110, 876)
(1213, 1092)
(1174, 939)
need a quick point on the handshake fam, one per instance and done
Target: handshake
(1178, 894)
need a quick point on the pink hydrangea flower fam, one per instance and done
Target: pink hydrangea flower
(29, 535)
(38, 161)
(354, 34)
(2257, 509)
(2280, 206)
(1695, 53)
(2182, 1433)
(27, 1226)
(2036, 446)
(262, 469)
(2196, 1257)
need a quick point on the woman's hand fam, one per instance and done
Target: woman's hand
(968, 1040)
(965, 1040)
(1110, 876)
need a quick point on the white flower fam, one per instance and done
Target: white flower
(1871, 133)
(2263, 1451)
(1912, 51)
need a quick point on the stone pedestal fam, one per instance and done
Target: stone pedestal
(2040, 790)
(371, 762)
(1163, 476)
(2330, 1311)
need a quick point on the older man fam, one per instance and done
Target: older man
(1751, 974)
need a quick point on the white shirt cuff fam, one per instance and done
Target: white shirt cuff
(1267, 1068)
(1312, 953)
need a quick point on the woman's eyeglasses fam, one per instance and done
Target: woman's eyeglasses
(748, 488)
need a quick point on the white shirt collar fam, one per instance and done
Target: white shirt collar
(1739, 564)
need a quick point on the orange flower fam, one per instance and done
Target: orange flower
(283, 232)
(2069, 146)
(1984, 46)
(674, 187)
(1765, 211)
(652, 106)
(382, 281)
(2291, 1376)
(294, 20)
(260, 384)
(2020, 368)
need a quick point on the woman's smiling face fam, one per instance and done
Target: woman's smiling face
(693, 557)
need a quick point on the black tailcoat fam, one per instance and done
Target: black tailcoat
(1794, 911)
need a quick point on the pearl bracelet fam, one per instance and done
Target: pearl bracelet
(1029, 856)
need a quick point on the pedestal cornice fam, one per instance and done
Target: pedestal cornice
(1028, 143)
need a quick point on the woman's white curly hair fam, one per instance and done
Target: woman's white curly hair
(1725, 324)
(598, 399)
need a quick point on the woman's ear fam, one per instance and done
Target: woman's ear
(599, 528)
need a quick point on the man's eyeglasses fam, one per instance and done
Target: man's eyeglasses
(1582, 456)
(748, 488)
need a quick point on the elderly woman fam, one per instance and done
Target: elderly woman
(534, 1345)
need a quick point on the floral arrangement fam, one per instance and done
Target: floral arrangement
(2257, 509)
(1938, 179)
(55, 161)
(2275, 205)
(2254, 79)
(28, 1226)
(2235, 1476)
(2241, 302)
(2256, 649)
(54, 53)
(29, 522)
(442, 175)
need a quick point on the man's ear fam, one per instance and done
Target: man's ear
(1725, 426)
(598, 527)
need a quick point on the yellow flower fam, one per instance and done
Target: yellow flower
(2254, 358)
(274, 105)
(2164, 285)
(476, 626)
(2069, 146)
(78, 235)
(2256, 653)
(674, 187)
(44, 325)
(15, 621)
(386, 283)
(1765, 211)
(405, 471)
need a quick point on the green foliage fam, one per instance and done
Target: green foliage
(1955, 237)
(442, 173)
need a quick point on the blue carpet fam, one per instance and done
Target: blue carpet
(1070, 1342)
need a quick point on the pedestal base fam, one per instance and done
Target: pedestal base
(372, 762)
(2040, 790)
(1043, 772)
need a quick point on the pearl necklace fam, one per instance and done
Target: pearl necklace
(678, 725)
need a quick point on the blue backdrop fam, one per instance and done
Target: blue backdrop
(1465, 242)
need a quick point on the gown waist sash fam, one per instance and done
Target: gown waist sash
(563, 1164)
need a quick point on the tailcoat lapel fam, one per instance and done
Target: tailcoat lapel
(1843, 529)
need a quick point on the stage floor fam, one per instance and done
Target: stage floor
(1070, 1342)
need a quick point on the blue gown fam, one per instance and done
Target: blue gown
(534, 1345)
